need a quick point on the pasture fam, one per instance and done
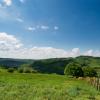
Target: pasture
(21, 86)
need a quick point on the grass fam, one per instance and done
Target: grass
(18, 86)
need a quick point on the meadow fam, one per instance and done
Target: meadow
(29, 86)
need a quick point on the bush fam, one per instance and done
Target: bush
(24, 70)
(27, 70)
(90, 72)
(20, 70)
(34, 71)
(11, 70)
(73, 69)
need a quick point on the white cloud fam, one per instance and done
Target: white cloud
(89, 52)
(97, 53)
(12, 47)
(56, 27)
(47, 52)
(7, 2)
(9, 42)
(75, 52)
(8, 13)
(19, 20)
(31, 28)
(43, 27)
(38, 27)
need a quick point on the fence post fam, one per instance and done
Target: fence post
(98, 82)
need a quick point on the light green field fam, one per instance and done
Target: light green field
(17, 86)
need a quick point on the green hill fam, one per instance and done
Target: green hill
(91, 61)
(54, 65)
(9, 62)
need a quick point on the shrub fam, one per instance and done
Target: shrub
(88, 71)
(27, 70)
(34, 71)
(73, 69)
(20, 70)
(11, 70)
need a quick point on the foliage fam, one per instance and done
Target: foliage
(89, 71)
(76, 69)
(54, 65)
(73, 69)
(20, 70)
(34, 71)
(25, 68)
(8, 62)
(11, 70)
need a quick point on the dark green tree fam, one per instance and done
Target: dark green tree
(11, 70)
(25, 68)
(89, 71)
(73, 69)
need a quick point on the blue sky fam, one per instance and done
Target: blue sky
(66, 25)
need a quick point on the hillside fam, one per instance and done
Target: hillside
(54, 65)
(91, 61)
(9, 62)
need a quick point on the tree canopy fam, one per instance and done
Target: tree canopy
(73, 69)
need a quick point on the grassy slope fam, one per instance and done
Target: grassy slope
(8, 62)
(15, 86)
(92, 61)
(54, 65)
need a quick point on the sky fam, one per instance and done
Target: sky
(39, 29)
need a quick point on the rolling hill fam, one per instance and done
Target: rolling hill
(54, 65)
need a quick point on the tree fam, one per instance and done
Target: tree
(89, 71)
(20, 70)
(10, 70)
(25, 68)
(73, 69)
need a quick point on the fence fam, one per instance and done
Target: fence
(95, 81)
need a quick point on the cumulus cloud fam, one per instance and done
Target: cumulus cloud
(75, 52)
(7, 2)
(47, 52)
(9, 42)
(12, 47)
(89, 52)
(9, 13)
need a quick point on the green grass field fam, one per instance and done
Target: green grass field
(17, 86)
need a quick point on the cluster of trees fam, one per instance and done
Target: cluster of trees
(25, 68)
(77, 70)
